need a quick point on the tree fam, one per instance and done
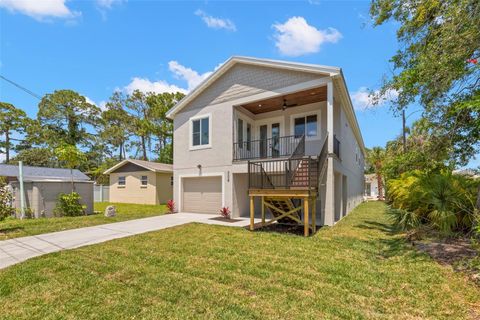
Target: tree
(116, 124)
(141, 120)
(64, 117)
(71, 157)
(162, 127)
(375, 158)
(11, 120)
(36, 157)
(437, 64)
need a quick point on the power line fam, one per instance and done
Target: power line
(22, 88)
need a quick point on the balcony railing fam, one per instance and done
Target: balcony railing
(298, 173)
(275, 147)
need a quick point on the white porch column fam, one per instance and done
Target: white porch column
(330, 183)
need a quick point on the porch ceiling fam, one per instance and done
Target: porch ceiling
(292, 100)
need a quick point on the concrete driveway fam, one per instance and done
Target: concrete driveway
(20, 249)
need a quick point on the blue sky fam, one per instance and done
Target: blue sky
(96, 47)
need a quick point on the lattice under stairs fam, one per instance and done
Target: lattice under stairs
(283, 210)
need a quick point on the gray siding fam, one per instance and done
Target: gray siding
(245, 80)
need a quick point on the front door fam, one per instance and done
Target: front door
(275, 139)
(263, 141)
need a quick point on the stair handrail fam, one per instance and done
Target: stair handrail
(322, 158)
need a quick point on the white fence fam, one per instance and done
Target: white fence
(101, 193)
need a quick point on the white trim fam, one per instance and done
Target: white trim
(269, 122)
(306, 114)
(208, 174)
(191, 147)
(302, 67)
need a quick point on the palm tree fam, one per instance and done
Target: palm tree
(375, 158)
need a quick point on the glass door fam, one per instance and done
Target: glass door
(275, 140)
(263, 141)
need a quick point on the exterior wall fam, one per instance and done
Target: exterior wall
(244, 84)
(164, 187)
(133, 191)
(41, 197)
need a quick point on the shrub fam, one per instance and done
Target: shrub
(444, 201)
(225, 212)
(68, 204)
(6, 208)
(171, 206)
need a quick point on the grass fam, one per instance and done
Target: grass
(359, 269)
(14, 228)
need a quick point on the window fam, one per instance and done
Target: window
(144, 181)
(306, 126)
(240, 133)
(249, 135)
(171, 180)
(121, 181)
(201, 132)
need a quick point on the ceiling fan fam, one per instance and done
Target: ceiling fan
(285, 105)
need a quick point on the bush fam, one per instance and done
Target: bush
(68, 204)
(6, 208)
(225, 212)
(444, 201)
(171, 206)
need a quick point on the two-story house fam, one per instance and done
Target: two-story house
(258, 134)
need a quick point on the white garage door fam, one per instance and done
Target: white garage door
(202, 195)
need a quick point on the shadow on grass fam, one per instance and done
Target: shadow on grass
(10, 230)
(386, 228)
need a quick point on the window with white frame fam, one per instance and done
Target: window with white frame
(200, 131)
(306, 125)
(144, 181)
(121, 181)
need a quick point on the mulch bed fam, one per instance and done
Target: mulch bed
(294, 229)
(225, 219)
(455, 252)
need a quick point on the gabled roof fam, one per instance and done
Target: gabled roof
(41, 173)
(286, 65)
(149, 165)
(334, 72)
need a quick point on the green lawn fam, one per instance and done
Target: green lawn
(358, 269)
(14, 228)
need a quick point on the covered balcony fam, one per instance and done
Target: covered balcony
(283, 126)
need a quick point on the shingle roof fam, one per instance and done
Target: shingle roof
(149, 165)
(40, 173)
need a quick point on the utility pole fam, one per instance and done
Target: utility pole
(404, 132)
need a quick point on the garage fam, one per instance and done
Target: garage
(202, 195)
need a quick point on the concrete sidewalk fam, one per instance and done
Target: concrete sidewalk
(20, 249)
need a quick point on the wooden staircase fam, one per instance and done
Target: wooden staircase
(283, 210)
(305, 174)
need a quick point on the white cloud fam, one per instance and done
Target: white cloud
(364, 99)
(192, 77)
(145, 85)
(40, 9)
(296, 37)
(216, 23)
(108, 4)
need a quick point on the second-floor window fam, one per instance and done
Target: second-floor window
(306, 126)
(121, 181)
(249, 135)
(200, 132)
(144, 181)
